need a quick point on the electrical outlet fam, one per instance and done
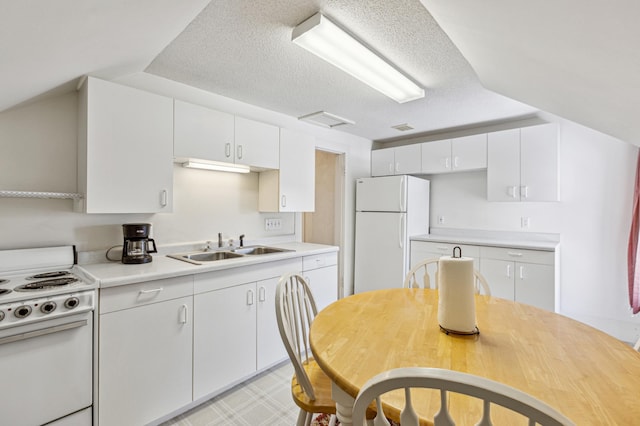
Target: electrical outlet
(525, 222)
(441, 220)
(272, 224)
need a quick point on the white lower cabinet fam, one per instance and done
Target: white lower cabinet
(235, 332)
(321, 273)
(525, 276)
(145, 340)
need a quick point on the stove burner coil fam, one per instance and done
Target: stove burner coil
(45, 275)
(4, 290)
(46, 284)
(3, 281)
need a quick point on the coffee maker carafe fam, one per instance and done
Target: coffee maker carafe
(136, 247)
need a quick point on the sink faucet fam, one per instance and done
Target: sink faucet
(241, 240)
(220, 244)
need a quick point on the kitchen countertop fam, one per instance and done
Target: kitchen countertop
(520, 240)
(114, 274)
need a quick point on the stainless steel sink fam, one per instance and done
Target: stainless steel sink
(255, 250)
(200, 257)
(212, 255)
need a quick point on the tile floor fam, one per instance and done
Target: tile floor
(263, 400)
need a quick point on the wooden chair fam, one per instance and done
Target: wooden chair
(418, 277)
(489, 391)
(295, 310)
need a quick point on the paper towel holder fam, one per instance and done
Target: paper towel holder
(476, 330)
(459, 252)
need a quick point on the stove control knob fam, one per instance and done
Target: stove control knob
(22, 311)
(48, 307)
(1, 315)
(71, 302)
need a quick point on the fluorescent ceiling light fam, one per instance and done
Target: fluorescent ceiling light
(325, 39)
(220, 167)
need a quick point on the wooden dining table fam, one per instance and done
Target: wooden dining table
(589, 376)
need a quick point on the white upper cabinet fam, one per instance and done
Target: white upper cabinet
(400, 160)
(202, 133)
(523, 164)
(125, 149)
(436, 156)
(206, 134)
(455, 155)
(292, 187)
(256, 144)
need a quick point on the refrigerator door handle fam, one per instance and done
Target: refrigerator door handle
(401, 224)
(403, 195)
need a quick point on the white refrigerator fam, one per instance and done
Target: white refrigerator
(389, 210)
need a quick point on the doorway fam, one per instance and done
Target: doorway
(326, 224)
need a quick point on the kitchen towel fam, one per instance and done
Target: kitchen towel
(456, 296)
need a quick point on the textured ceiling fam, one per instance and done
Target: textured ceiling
(242, 49)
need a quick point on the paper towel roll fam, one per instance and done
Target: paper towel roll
(456, 296)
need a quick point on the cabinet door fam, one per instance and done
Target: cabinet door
(534, 285)
(324, 285)
(202, 133)
(469, 152)
(382, 162)
(145, 362)
(224, 338)
(408, 159)
(125, 149)
(297, 172)
(270, 347)
(257, 144)
(436, 156)
(539, 163)
(503, 165)
(500, 276)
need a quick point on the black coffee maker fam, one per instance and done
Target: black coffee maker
(136, 247)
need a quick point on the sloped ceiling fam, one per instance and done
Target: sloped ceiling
(577, 59)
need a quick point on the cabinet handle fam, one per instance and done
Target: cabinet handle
(514, 254)
(283, 201)
(397, 167)
(239, 149)
(184, 311)
(508, 271)
(164, 198)
(447, 163)
(455, 162)
(249, 297)
(391, 168)
(262, 294)
(524, 191)
(155, 290)
(227, 150)
(511, 191)
(522, 272)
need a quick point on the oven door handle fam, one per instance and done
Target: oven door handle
(43, 331)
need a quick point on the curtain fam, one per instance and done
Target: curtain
(633, 257)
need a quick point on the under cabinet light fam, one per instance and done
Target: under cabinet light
(325, 39)
(220, 167)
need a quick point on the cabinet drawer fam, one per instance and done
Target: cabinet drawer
(128, 296)
(444, 249)
(518, 255)
(245, 274)
(319, 261)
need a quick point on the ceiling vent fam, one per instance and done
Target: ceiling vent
(402, 127)
(325, 119)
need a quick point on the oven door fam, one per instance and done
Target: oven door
(46, 369)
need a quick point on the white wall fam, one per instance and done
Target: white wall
(38, 153)
(597, 173)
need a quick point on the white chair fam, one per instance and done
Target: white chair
(310, 387)
(637, 345)
(489, 391)
(418, 277)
